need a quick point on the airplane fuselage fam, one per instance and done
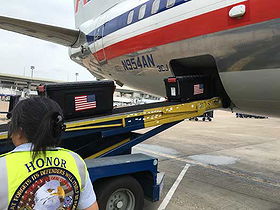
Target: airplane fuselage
(139, 43)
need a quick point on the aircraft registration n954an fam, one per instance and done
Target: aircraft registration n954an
(139, 43)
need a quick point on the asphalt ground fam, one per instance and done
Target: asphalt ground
(229, 163)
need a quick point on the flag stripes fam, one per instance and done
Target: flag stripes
(198, 89)
(85, 102)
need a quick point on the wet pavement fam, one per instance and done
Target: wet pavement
(230, 163)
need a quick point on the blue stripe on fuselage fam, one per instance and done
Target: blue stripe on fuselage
(121, 21)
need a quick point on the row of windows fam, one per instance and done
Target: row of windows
(154, 6)
(154, 10)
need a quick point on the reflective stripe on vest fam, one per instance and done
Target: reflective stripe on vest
(49, 182)
(3, 184)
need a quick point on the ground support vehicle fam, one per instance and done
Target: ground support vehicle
(122, 179)
(242, 115)
(206, 116)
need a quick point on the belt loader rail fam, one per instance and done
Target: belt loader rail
(113, 134)
(124, 178)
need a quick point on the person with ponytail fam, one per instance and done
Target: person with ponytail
(38, 174)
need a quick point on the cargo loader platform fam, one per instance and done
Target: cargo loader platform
(112, 133)
(106, 140)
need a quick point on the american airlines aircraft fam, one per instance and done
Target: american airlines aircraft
(140, 42)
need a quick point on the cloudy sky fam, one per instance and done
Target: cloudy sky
(19, 52)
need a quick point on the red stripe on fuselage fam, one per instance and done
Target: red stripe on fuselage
(215, 21)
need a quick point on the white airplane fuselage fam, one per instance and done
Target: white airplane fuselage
(139, 43)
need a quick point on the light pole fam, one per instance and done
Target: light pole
(76, 74)
(32, 71)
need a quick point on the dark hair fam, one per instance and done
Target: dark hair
(41, 121)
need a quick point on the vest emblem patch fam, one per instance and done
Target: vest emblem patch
(49, 188)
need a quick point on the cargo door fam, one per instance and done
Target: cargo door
(98, 42)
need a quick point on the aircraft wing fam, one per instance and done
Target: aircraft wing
(58, 35)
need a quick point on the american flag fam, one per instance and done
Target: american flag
(85, 102)
(198, 89)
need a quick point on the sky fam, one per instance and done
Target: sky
(18, 52)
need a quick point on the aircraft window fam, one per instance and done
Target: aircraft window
(130, 17)
(142, 12)
(155, 6)
(170, 3)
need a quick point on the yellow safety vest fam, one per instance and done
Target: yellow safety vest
(51, 182)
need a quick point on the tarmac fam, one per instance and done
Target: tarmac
(229, 163)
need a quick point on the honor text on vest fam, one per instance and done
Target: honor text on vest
(47, 162)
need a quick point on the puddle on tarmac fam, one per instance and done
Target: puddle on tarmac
(206, 159)
(213, 159)
(157, 148)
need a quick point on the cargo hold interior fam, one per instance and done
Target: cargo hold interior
(202, 65)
